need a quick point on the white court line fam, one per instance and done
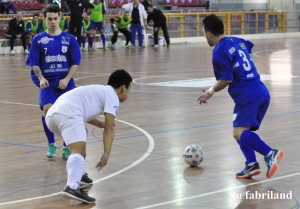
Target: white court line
(147, 153)
(216, 192)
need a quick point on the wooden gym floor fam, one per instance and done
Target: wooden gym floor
(159, 119)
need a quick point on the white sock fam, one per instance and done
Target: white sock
(269, 154)
(75, 168)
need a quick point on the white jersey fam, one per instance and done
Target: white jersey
(87, 102)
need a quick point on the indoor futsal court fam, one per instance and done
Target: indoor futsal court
(160, 118)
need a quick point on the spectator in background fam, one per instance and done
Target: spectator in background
(139, 20)
(88, 31)
(146, 3)
(63, 23)
(159, 20)
(122, 24)
(8, 5)
(16, 30)
(77, 9)
(97, 18)
(32, 28)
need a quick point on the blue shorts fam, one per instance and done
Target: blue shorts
(49, 95)
(97, 25)
(250, 114)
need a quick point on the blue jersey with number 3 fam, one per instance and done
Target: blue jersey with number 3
(232, 61)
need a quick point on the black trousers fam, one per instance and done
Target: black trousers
(165, 32)
(75, 27)
(12, 39)
(125, 32)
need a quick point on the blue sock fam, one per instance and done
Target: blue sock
(83, 41)
(103, 39)
(252, 140)
(49, 134)
(248, 152)
(91, 40)
(29, 45)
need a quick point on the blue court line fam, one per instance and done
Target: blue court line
(154, 133)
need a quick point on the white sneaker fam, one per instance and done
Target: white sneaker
(155, 45)
(84, 49)
(26, 51)
(94, 49)
(12, 52)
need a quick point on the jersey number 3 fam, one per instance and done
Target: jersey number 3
(246, 63)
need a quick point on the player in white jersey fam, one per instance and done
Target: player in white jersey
(67, 118)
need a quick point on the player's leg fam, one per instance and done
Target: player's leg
(24, 43)
(114, 38)
(103, 38)
(83, 41)
(51, 153)
(155, 35)
(74, 134)
(133, 29)
(251, 115)
(140, 34)
(166, 34)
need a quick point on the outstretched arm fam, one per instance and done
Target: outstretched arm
(208, 93)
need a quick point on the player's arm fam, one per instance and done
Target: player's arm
(64, 82)
(43, 82)
(97, 123)
(108, 136)
(208, 93)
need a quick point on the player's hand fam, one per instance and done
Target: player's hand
(206, 96)
(63, 84)
(44, 83)
(102, 162)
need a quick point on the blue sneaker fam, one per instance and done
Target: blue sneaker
(272, 161)
(51, 153)
(65, 153)
(249, 171)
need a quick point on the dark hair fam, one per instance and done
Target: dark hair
(119, 78)
(36, 15)
(213, 24)
(52, 8)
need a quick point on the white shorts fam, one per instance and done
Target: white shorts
(70, 129)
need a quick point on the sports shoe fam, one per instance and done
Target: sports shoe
(51, 150)
(12, 52)
(113, 47)
(78, 194)
(65, 153)
(249, 171)
(272, 160)
(86, 183)
(84, 49)
(26, 51)
(155, 45)
(105, 49)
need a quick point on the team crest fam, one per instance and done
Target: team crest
(64, 49)
(65, 40)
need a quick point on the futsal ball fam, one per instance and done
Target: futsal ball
(193, 155)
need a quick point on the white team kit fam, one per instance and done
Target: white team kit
(78, 106)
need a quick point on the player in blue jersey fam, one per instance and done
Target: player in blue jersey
(235, 69)
(54, 57)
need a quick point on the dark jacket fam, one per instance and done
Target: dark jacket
(77, 7)
(15, 27)
(157, 17)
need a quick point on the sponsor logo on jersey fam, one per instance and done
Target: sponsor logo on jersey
(116, 109)
(45, 40)
(64, 49)
(231, 50)
(56, 58)
(242, 45)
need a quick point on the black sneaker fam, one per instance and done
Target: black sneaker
(78, 194)
(249, 171)
(85, 183)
